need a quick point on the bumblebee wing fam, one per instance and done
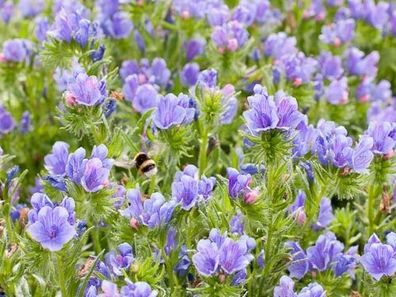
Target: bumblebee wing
(127, 164)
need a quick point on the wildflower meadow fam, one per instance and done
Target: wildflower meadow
(190, 148)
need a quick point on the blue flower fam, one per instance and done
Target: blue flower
(119, 260)
(325, 252)
(56, 162)
(52, 228)
(170, 112)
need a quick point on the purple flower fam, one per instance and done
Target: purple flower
(152, 212)
(229, 37)
(117, 26)
(155, 73)
(380, 132)
(362, 154)
(170, 112)
(95, 176)
(220, 252)
(330, 66)
(25, 123)
(229, 104)
(218, 14)
(299, 69)
(262, 113)
(313, 290)
(337, 91)
(346, 262)
(52, 228)
(30, 8)
(338, 33)
(325, 252)
(299, 265)
(285, 288)
(238, 183)
(74, 166)
(71, 25)
(187, 189)
(42, 26)
(237, 224)
(297, 208)
(379, 260)
(189, 74)
(287, 110)
(7, 122)
(109, 289)
(56, 162)
(278, 45)
(325, 216)
(194, 47)
(138, 289)
(207, 258)
(208, 78)
(358, 64)
(233, 256)
(16, 50)
(6, 11)
(87, 90)
(119, 260)
(145, 98)
(378, 14)
(98, 54)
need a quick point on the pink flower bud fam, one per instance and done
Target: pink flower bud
(344, 98)
(337, 42)
(300, 216)
(364, 98)
(70, 99)
(389, 155)
(321, 15)
(222, 277)
(185, 14)
(134, 223)
(232, 44)
(251, 196)
(2, 58)
(297, 82)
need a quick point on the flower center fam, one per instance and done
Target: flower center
(53, 231)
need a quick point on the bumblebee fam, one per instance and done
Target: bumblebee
(144, 164)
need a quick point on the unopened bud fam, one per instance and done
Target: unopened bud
(337, 42)
(300, 216)
(385, 205)
(2, 58)
(232, 44)
(222, 277)
(70, 99)
(297, 82)
(364, 98)
(185, 14)
(389, 155)
(251, 196)
(134, 223)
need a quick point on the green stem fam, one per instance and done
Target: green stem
(96, 241)
(7, 215)
(152, 185)
(370, 209)
(203, 150)
(61, 276)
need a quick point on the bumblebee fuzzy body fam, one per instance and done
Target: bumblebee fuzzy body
(144, 164)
